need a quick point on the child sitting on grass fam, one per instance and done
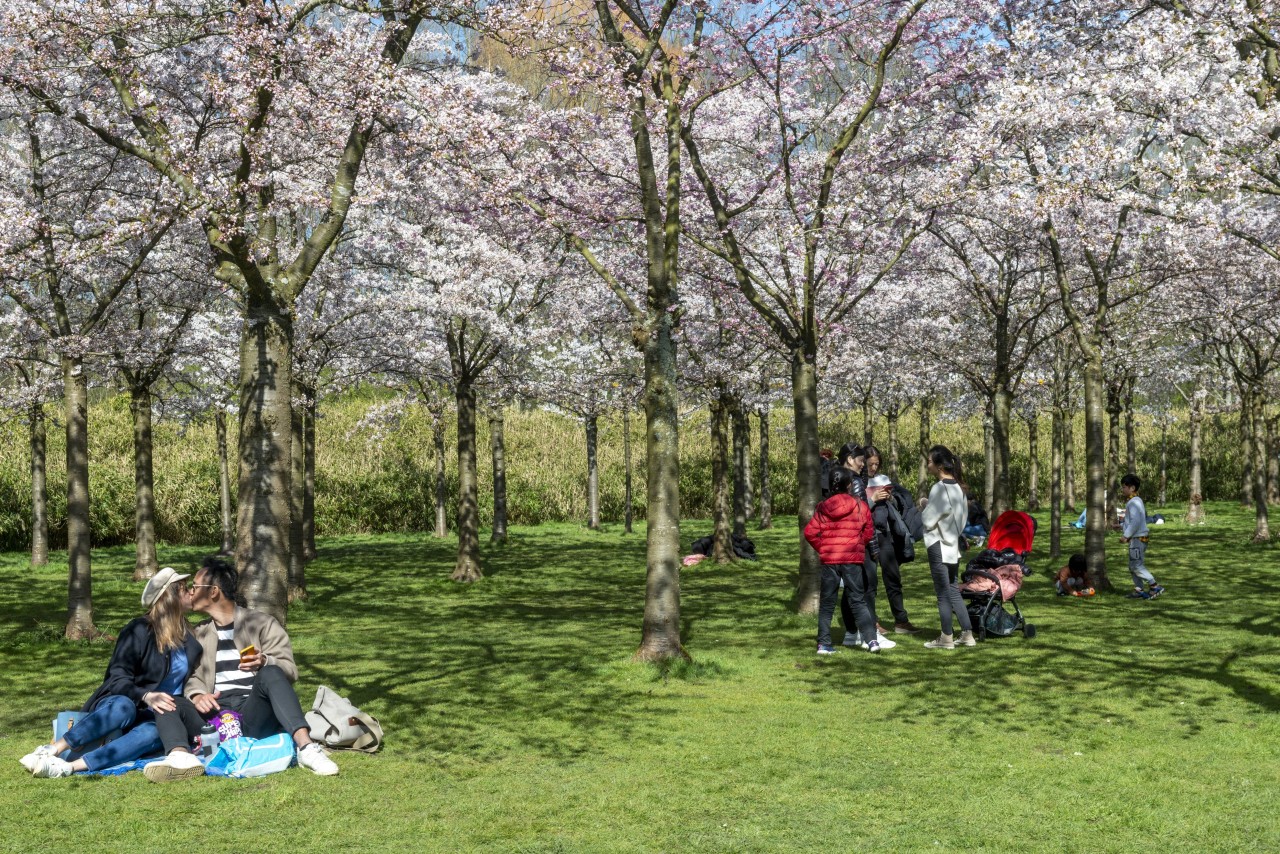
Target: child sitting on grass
(1073, 579)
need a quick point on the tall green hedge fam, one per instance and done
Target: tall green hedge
(367, 483)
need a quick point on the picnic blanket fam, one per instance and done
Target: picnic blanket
(239, 757)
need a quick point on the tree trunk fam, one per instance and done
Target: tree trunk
(1273, 460)
(224, 484)
(1001, 424)
(989, 462)
(628, 510)
(1258, 420)
(1096, 520)
(1069, 461)
(309, 477)
(1130, 437)
(893, 442)
(1113, 450)
(721, 542)
(144, 503)
(804, 400)
(741, 470)
(1033, 463)
(593, 474)
(1162, 495)
(1195, 496)
(661, 631)
(1246, 450)
(263, 514)
(922, 478)
(468, 567)
(498, 447)
(79, 567)
(39, 487)
(297, 495)
(766, 492)
(441, 484)
(868, 421)
(1055, 485)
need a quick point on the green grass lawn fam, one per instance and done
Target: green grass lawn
(515, 721)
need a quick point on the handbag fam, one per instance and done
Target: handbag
(336, 723)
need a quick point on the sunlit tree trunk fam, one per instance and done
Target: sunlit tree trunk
(1130, 437)
(311, 407)
(79, 569)
(741, 470)
(1055, 485)
(1069, 461)
(1195, 497)
(468, 567)
(39, 486)
(922, 477)
(441, 485)
(297, 495)
(1033, 462)
(1162, 495)
(989, 463)
(1246, 448)
(721, 541)
(1273, 460)
(498, 450)
(224, 484)
(1113, 450)
(766, 491)
(1000, 495)
(144, 504)
(1096, 520)
(1258, 420)
(804, 399)
(868, 420)
(894, 413)
(628, 509)
(593, 473)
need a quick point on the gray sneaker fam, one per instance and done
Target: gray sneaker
(941, 642)
(967, 639)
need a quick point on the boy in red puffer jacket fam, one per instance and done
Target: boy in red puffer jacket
(842, 533)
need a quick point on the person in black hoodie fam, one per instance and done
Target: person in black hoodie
(896, 544)
(854, 458)
(148, 669)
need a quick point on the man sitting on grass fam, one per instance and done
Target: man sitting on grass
(258, 683)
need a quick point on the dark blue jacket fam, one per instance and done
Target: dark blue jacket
(137, 666)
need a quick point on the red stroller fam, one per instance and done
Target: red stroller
(993, 578)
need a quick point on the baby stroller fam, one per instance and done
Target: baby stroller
(991, 580)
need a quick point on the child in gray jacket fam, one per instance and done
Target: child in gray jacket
(1135, 533)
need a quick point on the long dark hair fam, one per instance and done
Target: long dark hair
(947, 462)
(841, 480)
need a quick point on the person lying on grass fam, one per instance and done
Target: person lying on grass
(143, 685)
(247, 666)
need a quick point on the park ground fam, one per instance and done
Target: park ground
(516, 722)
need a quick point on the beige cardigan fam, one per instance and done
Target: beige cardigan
(252, 627)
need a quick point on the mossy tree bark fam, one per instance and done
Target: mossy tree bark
(1273, 459)
(498, 450)
(922, 475)
(1069, 459)
(989, 461)
(1033, 462)
(1113, 449)
(1055, 485)
(1001, 424)
(1246, 448)
(226, 512)
(804, 404)
(1130, 438)
(592, 425)
(144, 504)
(440, 485)
(39, 486)
(893, 415)
(1162, 494)
(1258, 420)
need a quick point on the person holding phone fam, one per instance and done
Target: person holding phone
(248, 666)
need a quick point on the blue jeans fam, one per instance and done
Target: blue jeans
(110, 714)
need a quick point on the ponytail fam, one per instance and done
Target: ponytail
(947, 462)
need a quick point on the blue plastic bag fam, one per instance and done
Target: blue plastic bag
(252, 757)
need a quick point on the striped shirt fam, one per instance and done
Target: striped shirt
(229, 679)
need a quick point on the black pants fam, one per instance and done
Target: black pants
(892, 575)
(944, 585)
(858, 603)
(271, 706)
(180, 727)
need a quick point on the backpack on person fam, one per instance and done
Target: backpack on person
(910, 513)
(904, 547)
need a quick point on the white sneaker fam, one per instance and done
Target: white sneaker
(884, 642)
(178, 765)
(29, 761)
(313, 758)
(48, 765)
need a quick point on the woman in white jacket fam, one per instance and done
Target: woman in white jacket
(944, 521)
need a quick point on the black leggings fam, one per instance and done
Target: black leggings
(180, 727)
(948, 592)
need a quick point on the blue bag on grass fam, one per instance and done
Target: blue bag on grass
(252, 757)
